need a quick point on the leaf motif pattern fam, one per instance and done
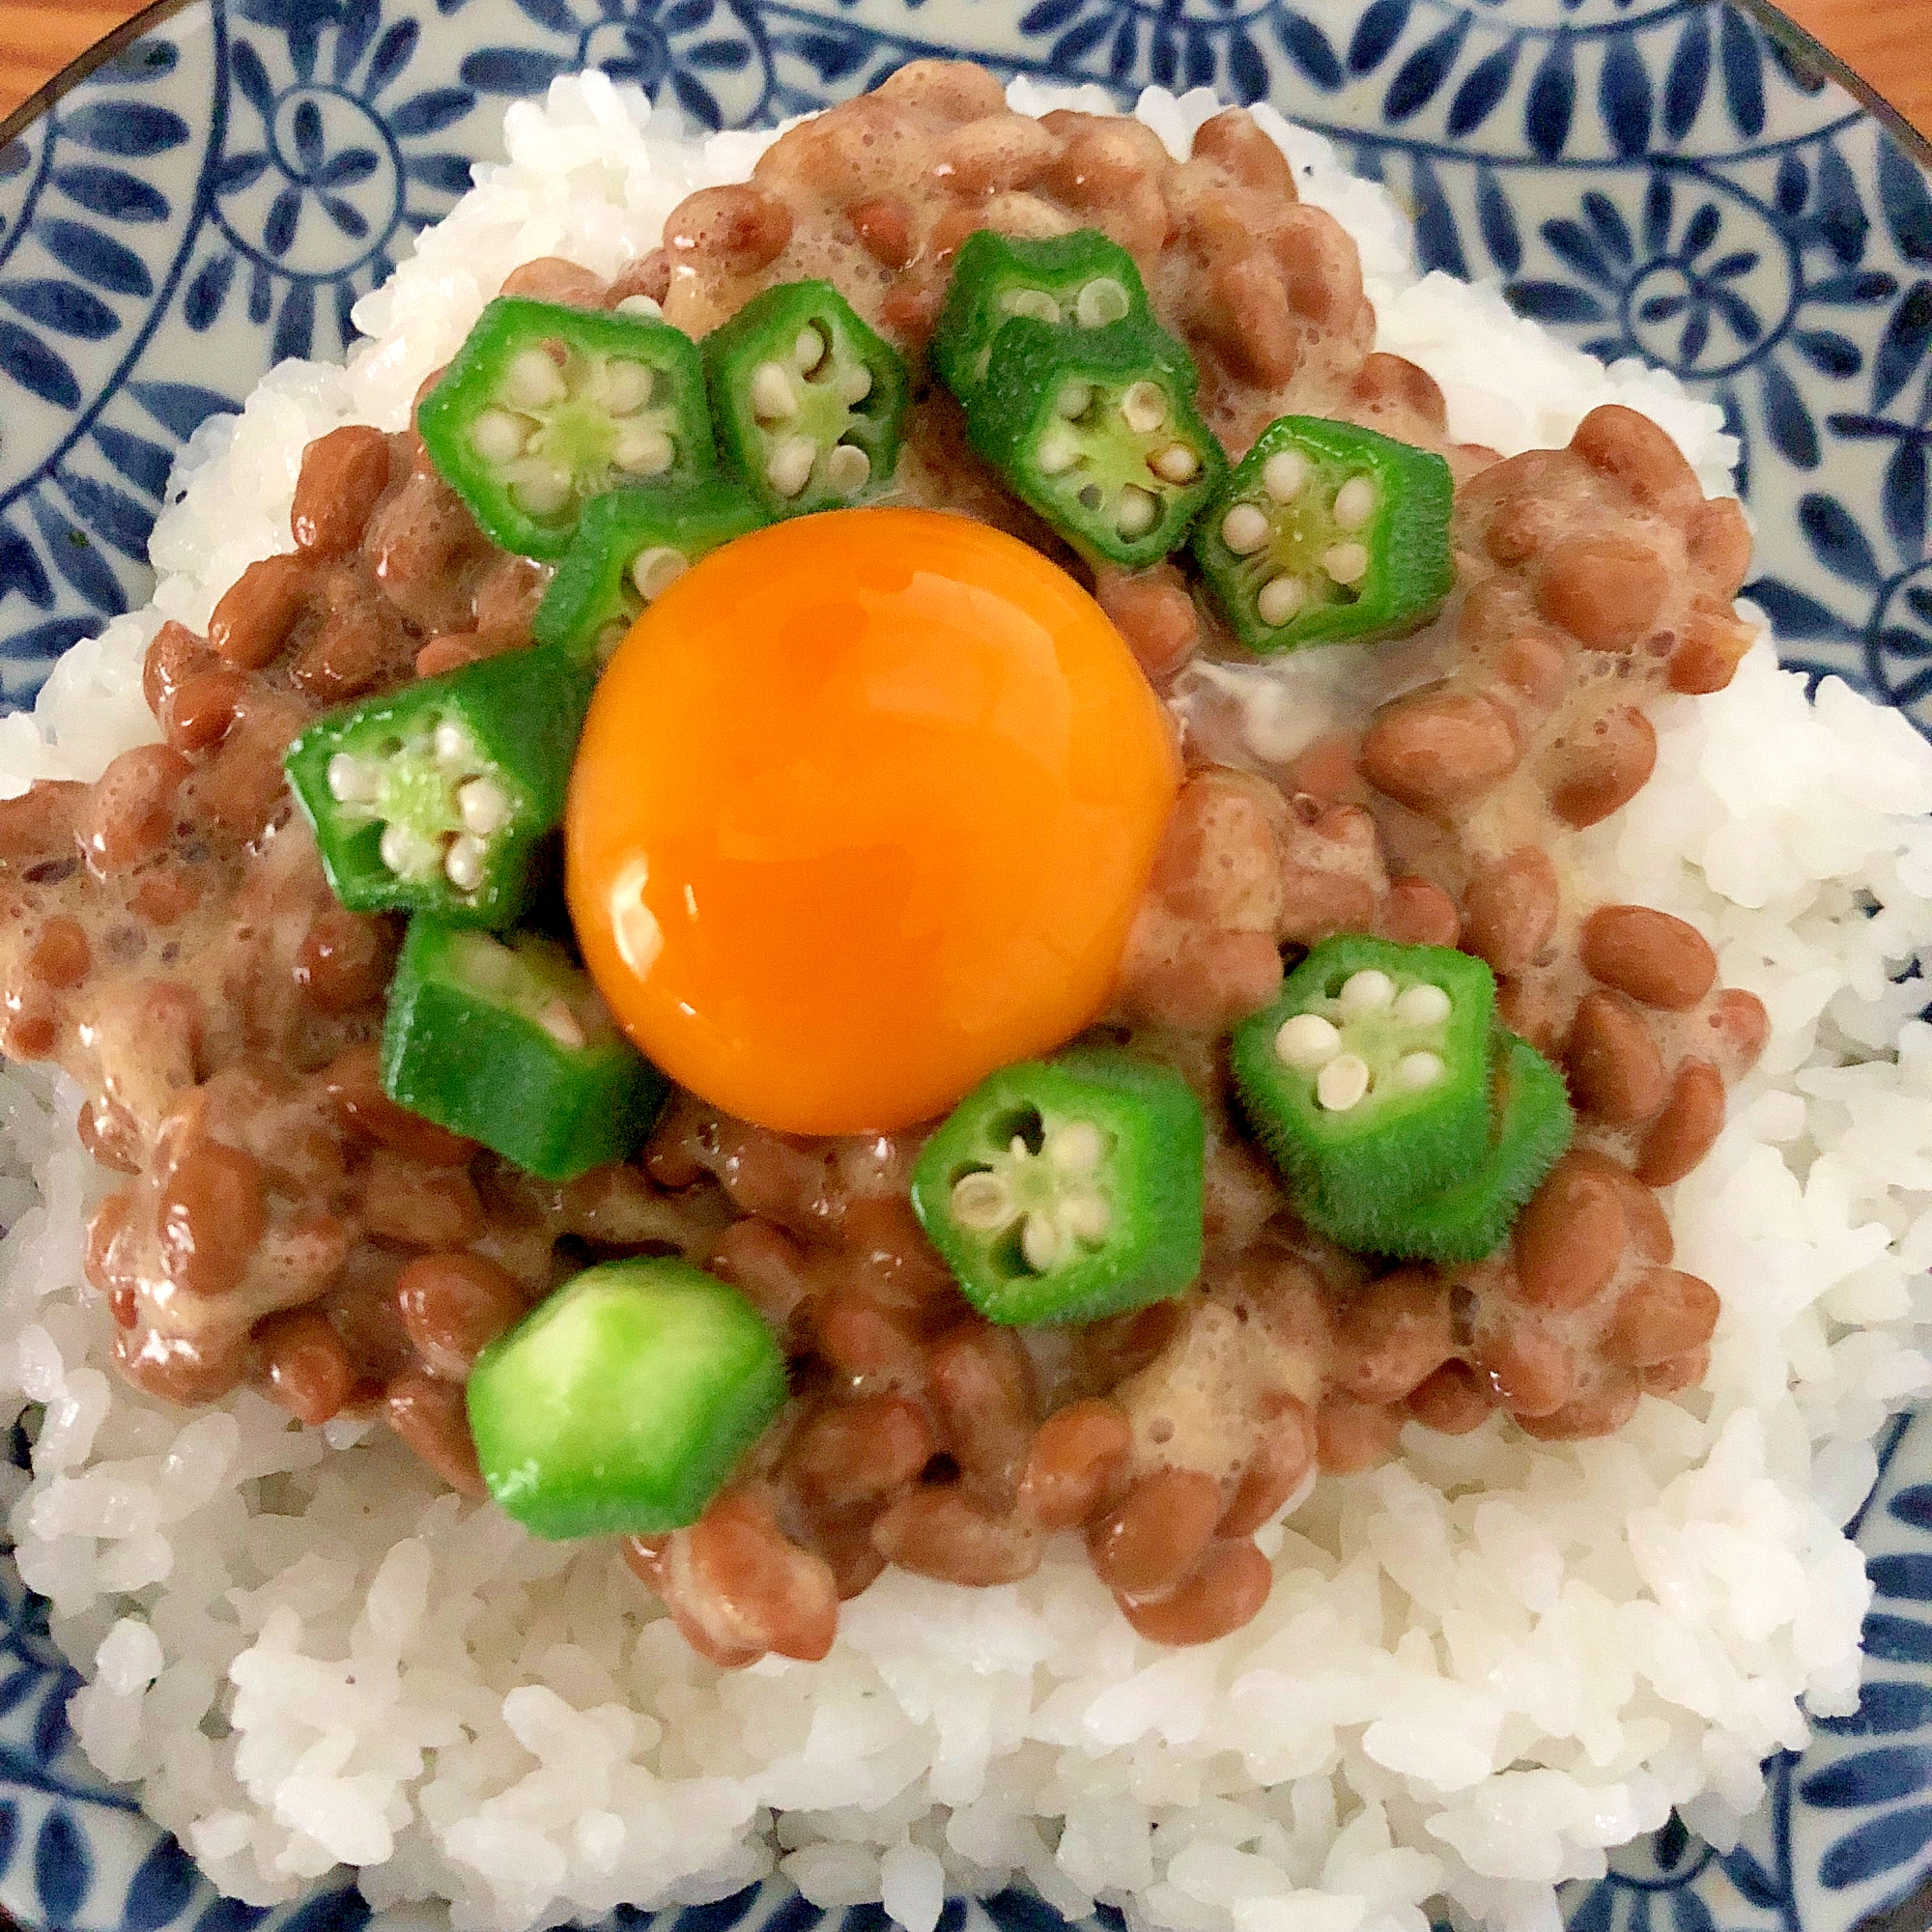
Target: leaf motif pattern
(1584, 154)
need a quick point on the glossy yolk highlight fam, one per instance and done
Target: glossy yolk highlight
(862, 811)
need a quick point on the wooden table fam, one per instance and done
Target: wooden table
(1883, 40)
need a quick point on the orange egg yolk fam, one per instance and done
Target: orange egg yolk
(862, 811)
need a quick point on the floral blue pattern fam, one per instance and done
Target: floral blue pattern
(1678, 180)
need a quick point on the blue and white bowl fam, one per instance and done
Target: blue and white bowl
(1685, 180)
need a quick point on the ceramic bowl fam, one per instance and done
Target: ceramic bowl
(1684, 180)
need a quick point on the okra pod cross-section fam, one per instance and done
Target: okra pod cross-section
(1369, 1077)
(545, 408)
(631, 546)
(436, 796)
(1067, 1189)
(507, 1042)
(1529, 1127)
(1325, 532)
(1096, 429)
(810, 401)
(1074, 282)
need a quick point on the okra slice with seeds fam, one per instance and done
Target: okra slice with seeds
(621, 1406)
(1529, 1127)
(1325, 532)
(1096, 429)
(1067, 1189)
(1077, 281)
(810, 401)
(1368, 1076)
(437, 797)
(545, 408)
(630, 546)
(507, 1042)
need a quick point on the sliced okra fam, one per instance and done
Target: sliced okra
(545, 408)
(630, 546)
(1369, 1077)
(437, 797)
(1529, 1127)
(1096, 429)
(810, 401)
(507, 1042)
(1067, 1189)
(1081, 280)
(620, 1406)
(1325, 532)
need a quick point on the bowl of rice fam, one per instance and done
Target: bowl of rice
(1546, 1576)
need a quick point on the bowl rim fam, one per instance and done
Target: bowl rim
(1804, 46)
(1913, 1911)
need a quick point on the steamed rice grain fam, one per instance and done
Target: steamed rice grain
(1481, 1666)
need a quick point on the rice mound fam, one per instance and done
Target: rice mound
(1481, 1666)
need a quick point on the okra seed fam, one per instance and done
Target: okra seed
(1281, 598)
(1366, 992)
(1422, 1005)
(1343, 1081)
(855, 385)
(1077, 1148)
(483, 806)
(353, 780)
(848, 469)
(1137, 513)
(788, 468)
(982, 1201)
(643, 305)
(533, 382)
(1034, 302)
(1089, 497)
(772, 397)
(1306, 1042)
(654, 571)
(1058, 451)
(1246, 528)
(1346, 563)
(1284, 474)
(1101, 302)
(560, 1023)
(1073, 399)
(1415, 1071)
(1042, 1243)
(644, 453)
(483, 963)
(809, 351)
(1176, 463)
(1087, 1216)
(1354, 504)
(1145, 407)
(407, 852)
(452, 744)
(499, 437)
(540, 488)
(463, 862)
(627, 387)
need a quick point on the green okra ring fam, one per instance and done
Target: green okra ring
(809, 400)
(1368, 1077)
(1325, 532)
(545, 408)
(1068, 1189)
(434, 797)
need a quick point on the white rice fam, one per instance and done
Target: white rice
(1481, 1666)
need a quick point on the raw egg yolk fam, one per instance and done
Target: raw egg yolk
(862, 811)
